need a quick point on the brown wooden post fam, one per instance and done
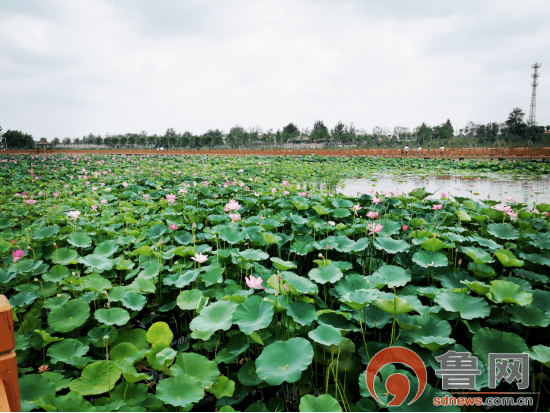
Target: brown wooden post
(9, 382)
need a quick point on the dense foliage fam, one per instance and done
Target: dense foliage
(166, 283)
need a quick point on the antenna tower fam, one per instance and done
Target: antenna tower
(533, 111)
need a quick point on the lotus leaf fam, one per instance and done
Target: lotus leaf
(284, 361)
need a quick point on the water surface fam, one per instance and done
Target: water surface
(527, 191)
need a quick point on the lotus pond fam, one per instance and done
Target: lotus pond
(175, 283)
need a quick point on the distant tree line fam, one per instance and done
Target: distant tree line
(514, 129)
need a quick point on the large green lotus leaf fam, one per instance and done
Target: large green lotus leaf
(488, 340)
(45, 232)
(160, 334)
(72, 402)
(430, 259)
(247, 374)
(361, 244)
(322, 403)
(484, 242)
(166, 356)
(180, 391)
(232, 235)
(529, 316)
(133, 394)
(144, 250)
(508, 292)
(540, 353)
(503, 231)
(303, 245)
(145, 286)
(390, 275)
(395, 306)
(196, 366)
(48, 338)
(217, 316)
(351, 283)
(541, 240)
(224, 387)
(536, 258)
(155, 232)
(433, 332)
(112, 316)
(300, 284)
(64, 256)
(433, 244)
(56, 273)
(467, 306)
(360, 299)
(189, 299)
(284, 361)
(254, 314)
(479, 287)
(482, 270)
(69, 316)
(282, 265)
(134, 301)
(106, 248)
(341, 243)
(181, 280)
(341, 203)
(67, 351)
(463, 216)
(478, 255)
(150, 270)
(125, 354)
(326, 274)
(213, 276)
(508, 259)
(97, 378)
(326, 335)
(31, 388)
(341, 213)
(97, 262)
(79, 240)
(183, 237)
(96, 283)
(420, 193)
(254, 255)
(390, 245)
(301, 312)
(23, 298)
(389, 227)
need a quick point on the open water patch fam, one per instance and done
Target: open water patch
(527, 191)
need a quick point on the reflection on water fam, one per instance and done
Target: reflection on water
(525, 191)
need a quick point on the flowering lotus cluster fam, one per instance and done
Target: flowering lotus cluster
(507, 209)
(232, 206)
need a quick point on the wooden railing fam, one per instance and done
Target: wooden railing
(447, 153)
(9, 383)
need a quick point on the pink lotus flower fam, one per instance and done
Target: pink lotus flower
(235, 217)
(302, 193)
(173, 227)
(443, 195)
(146, 196)
(376, 200)
(125, 184)
(374, 228)
(30, 201)
(404, 227)
(437, 207)
(508, 199)
(17, 254)
(285, 183)
(372, 214)
(104, 201)
(356, 208)
(56, 194)
(171, 198)
(200, 258)
(94, 208)
(73, 214)
(254, 282)
(286, 193)
(232, 205)
(182, 191)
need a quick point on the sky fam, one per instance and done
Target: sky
(71, 68)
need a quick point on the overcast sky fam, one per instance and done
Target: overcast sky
(69, 68)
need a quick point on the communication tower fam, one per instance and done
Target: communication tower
(533, 112)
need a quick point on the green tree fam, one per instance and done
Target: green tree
(446, 130)
(98, 140)
(320, 131)
(515, 124)
(56, 141)
(423, 134)
(291, 128)
(66, 141)
(18, 140)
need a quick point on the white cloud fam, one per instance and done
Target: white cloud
(98, 66)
